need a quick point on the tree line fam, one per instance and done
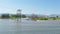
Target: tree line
(32, 17)
(12, 16)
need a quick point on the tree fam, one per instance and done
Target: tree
(13, 16)
(5, 16)
(18, 16)
(23, 16)
(57, 16)
(34, 17)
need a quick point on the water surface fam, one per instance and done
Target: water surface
(9, 26)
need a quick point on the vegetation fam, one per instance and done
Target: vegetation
(7, 16)
(33, 17)
(45, 18)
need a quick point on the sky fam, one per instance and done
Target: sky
(45, 7)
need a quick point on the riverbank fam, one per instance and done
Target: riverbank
(32, 19)
(45, 18)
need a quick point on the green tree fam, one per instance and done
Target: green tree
(23, 16)
(5, 16)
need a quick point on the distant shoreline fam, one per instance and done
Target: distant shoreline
(24, 19)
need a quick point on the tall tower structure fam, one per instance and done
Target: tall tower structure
(19, 15)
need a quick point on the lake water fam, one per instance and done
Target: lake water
(9, 26)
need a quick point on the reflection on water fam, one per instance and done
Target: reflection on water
(8, 26)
